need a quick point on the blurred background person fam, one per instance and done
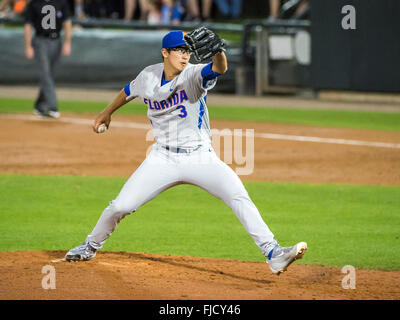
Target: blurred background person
(144, 7)
(197, 13)
(12, 8)
(178, 12)
(274, 6)
(231, 9)
(154, 12)
(98, 9)
(46, 48)
(172, 11)
(79, 9)
(165, 12)
(302, 10)
(288, 9)
(95, 8)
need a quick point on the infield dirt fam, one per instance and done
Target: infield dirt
(54, 147)
(142, 276)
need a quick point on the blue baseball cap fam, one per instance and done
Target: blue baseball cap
(174, 39)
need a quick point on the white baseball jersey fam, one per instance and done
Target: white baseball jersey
(177, 109)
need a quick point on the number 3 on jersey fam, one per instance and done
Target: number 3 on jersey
(183, 113)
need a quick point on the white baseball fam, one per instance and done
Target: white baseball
(101, 128)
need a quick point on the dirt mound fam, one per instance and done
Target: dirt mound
(138, 276)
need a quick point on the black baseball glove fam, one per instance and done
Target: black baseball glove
(204, 43)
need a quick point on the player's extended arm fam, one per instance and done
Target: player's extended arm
(105, 115)
(220, 63)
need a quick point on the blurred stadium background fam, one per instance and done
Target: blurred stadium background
(271, 51)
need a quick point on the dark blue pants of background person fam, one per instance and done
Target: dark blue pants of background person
(47, 53)
(230, 8)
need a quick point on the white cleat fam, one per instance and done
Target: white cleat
(280, 258)
(84, 252)
(53, 114)
(47, 114)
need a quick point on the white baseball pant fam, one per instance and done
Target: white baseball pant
(163, 169)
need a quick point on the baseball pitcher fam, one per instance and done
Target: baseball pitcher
(175, 92)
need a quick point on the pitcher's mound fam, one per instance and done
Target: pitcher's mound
(122, 275)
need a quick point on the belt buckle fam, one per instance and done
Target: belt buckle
(188, 150)
(181, 150)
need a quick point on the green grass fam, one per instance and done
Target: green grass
(328, 118)
(16, 105)
(355, 225)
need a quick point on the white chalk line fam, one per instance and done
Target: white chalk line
(136, 125)
(328, 140)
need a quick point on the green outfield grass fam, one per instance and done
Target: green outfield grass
(328, 118)
(343, 224)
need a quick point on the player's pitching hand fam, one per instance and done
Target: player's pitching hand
(102, 118)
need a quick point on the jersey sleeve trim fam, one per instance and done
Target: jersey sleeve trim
(127, 90)
(131, 90)
(208, 74)
(201, 114)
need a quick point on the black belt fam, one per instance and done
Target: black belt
(181, 150)
(52, 35)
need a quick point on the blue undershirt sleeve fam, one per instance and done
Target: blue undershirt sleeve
(208, 74)
(127, 90)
